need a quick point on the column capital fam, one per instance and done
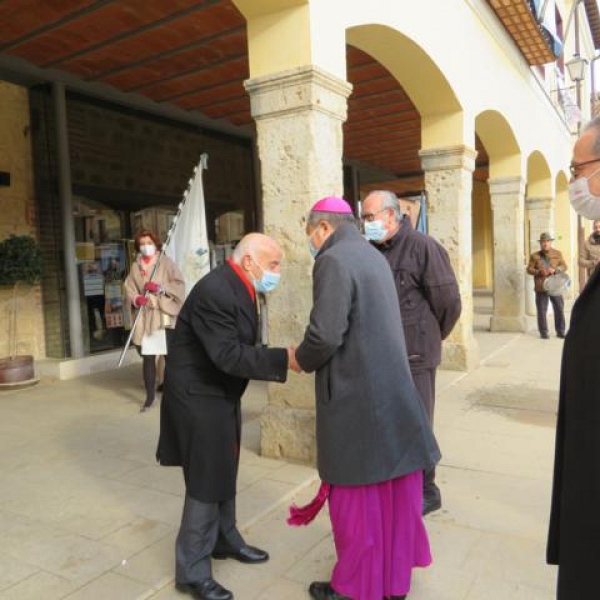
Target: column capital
(507, 186)
(539, 203)
(297, 90)
(448, 157)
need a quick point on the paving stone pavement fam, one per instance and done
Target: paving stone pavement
(86, 514)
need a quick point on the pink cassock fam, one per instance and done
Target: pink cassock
(379, 535)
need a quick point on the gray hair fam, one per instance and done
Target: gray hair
(594, 124)
(389, 200)
(334, 219)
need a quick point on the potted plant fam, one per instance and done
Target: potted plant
(20, 262)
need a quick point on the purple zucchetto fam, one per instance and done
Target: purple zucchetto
(332, 204)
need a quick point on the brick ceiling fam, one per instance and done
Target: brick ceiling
(192, 54)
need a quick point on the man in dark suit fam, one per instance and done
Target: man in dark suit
(214, 351)
(574, 519)
(429, 300)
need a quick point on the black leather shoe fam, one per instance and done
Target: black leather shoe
(322, 590)
(245, 554)
(208, 589)
(560, 335)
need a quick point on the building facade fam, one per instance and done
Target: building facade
(467, 103)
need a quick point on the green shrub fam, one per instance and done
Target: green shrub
(20, 260)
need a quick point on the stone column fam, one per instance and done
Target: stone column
(540, 217)
(508, 207)
(449, 183)
(299, 116)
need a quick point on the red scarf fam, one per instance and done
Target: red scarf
(241, 275)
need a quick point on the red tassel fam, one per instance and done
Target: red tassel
(303, 515)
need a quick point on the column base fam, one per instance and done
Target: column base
(508, 323)
(288, 433)
(463, 356)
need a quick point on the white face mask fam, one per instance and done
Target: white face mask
(148, 250)
(582, 200)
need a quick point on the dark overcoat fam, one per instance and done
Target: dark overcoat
(371, 424)
(574, 537)
(212, 355)
(427, 290)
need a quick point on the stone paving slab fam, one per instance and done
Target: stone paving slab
(85, 512)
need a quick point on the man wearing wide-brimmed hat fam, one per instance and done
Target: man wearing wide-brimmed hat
(548, 261)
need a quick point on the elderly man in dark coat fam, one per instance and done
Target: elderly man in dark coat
(573, 541)
(373, 436)
(212, 355)
(429, 300)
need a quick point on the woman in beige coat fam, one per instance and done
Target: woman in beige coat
(159, 301)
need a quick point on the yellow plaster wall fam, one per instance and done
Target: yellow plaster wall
(483, 267)
(17, 210)
(279, 41)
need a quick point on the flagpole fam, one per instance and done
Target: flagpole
(202, 165)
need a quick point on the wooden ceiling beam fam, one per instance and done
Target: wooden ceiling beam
(240, 60)
(132, 33)
(53, 25)
(196, 44)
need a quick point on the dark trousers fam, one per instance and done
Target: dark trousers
(558, 305)
(425, 384)
(205, 526)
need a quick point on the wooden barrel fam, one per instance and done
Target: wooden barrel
(18, 368)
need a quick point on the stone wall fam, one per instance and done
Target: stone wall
(18, 217)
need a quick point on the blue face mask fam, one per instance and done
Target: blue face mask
(268, 282)
(312, 248)
(375, 231)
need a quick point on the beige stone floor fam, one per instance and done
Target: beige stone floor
(86, 514)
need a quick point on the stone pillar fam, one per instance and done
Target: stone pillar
(299, 115)
(68, 223)
(449, 183)
(540, 217)
(508, 206)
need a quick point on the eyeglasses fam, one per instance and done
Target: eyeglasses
(371, 216)
(574, 167)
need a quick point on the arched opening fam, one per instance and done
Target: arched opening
(565, 223)
(498, 166)
(539, 216)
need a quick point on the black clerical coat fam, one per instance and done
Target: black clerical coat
(574, 537)
(212, 355)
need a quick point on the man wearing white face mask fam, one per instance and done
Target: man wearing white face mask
(429, 300)
(215, 349)
(574, 522)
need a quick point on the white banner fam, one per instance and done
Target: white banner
(189, 243)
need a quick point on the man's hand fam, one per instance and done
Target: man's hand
(551, 271)
(544, 273)
(292, 362)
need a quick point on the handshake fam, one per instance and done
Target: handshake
(292, 362)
